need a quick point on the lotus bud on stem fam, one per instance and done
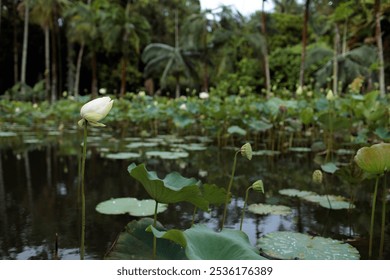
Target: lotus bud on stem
(246, 151)
(256, 186)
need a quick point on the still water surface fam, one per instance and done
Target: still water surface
(39, 199)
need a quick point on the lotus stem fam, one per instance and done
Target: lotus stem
(373, 217)
(193, 216)
(229, 188)
(245, 203)
(82, 249)
(154, 225)
(382, 242)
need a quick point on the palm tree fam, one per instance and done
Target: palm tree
(304, 43)
(124, 31)
(378, 36)
(25, 46)
(45, 12)
(265, 51)
(166, 59)
(82, 28)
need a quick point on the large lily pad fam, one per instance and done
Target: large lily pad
(123, 155)
(202, 243)
(236, 130)
(136, 145)
(131, 205)
(292, 245)
(295, 192)
(334, 202)
(266, 209)
(167, 154)
(136, 244)
(374, 159)
(173, 188)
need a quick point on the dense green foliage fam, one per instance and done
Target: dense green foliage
(81, 46)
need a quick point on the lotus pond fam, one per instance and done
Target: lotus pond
(295, 175)
(39, 193)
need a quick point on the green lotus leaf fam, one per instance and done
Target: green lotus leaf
(266, 209)
(202, 243)
(133, 206)
(300, 149)
(167, 155)
(7, 134)
(334, 202)
(122, 155)
(329, 167)
(265, 153)
(374, 159)
(191, 146)
(213, 194)
(173, 188)
(136, 145)
(136, 244)
(236, 130)
(295, 192)
(292, 245)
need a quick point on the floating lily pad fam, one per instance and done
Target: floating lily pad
(344, 152)
(292, 245)
(133, 206)
(173, 188)
(265, 153)
(236, 130)
(7, 134)
(167, 155)
(32, 141)
(295, 192)
(300, 149)
(202, 243)
(122, 156)
(266, 209)
(191, 146)
(136, 145)
(136, 244)
(329, 167)
(334, 202)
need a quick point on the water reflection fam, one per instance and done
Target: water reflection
(39, 196)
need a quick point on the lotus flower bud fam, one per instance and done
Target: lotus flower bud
(330, 96)
(317, 176)
(299, 90)
(246, 151)
(258, 186)
(95, 110)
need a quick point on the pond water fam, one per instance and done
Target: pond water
(39, 198)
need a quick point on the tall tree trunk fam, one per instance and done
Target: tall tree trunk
(177, 94)
(25, 46)
(123, 77)
(47, 62)
(265, 52)
(206, 77)
(15, 48)
(378, 35)
(304, 43)
(1, 8)
(70, 68)
(78, 70)
(344, 45)
(335, 60)
(94, 75)
(54, 68)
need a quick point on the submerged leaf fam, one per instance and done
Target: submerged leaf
(173, 188)
(292, 245)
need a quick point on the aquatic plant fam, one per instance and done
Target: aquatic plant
(375, 160)
(91, 113)
(256, 186)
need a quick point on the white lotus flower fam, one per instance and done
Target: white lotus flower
(95, 110)
(330, 96)
(183, 107)
(204, 95)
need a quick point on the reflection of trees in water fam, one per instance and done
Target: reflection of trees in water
(3, 213)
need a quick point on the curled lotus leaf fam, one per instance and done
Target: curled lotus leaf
(374, 159)
(294, 245)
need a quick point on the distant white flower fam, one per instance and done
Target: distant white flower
(141, 94)
(330, 95)
(299, 90)
(204, 95)
(183, 107)
(17, 110)
(35, 105)
(102, 90)
(95, 110)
